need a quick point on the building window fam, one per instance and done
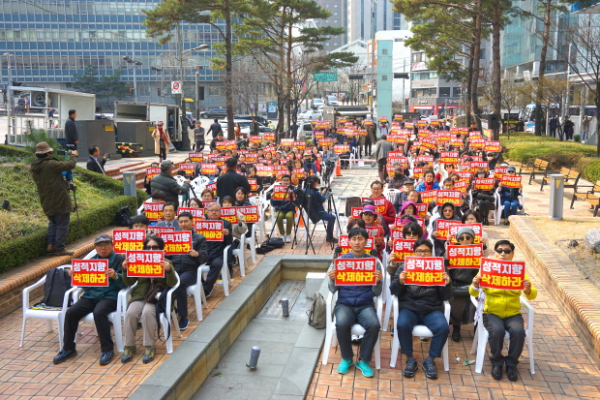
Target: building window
(335, 6)
(456, 92)
(335, 13)
(444, 92)
(335, 21)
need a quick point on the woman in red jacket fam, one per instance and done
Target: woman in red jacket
(383, 206)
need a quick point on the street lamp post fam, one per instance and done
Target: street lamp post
(136, 63)
(8, 95)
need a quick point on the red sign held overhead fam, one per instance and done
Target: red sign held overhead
(154, 211)
(177, 242)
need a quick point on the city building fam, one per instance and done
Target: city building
(360, 16)
(400, 58)
(339, 12)
(45, 43)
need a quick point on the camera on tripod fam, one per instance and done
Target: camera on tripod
(70, 147)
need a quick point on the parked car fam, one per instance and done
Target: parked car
(191, 119)
(214, 113)
(310, 114)
(244, 126)
(332, 101)
(315, 103)
(261, 120)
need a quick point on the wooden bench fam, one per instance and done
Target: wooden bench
(538, 166)
(571, 179)
(591, 196)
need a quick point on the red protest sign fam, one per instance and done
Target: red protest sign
(422, 123)
(220, 145)
(211, 230)
(128, 239)
(145, 264)
(449, 157)
(154, 211)
(286, 142)
(398, 117)
(499, 172)
(429, 143)
(409, 125)
(341, 148)
(424, 271)
(486, 184)
(208, 169)
(189, 169)
(152, 172)
(468, 256)
(158, 230)
(197, 213)
(355, 271)
(383, 119)
(421, 209)
(196, 157)
(400, 222)
(418, 172)
(253, 184)
(250, 213)
(448, 196)
(255, 139)
(427, 159)
(280, 192)
(264, 170)
(493, 146)
(229, 214)
(230, 145)
(356, 212)
(300, 144)
(443, 226)
(476, 143)
(403, 248)
(379, 203)
(443, 137)
(498, 274)
(511, 181)
(429, 196)
(269, 136)
(466, 176)
(177, 242)
(456, 142)
(213, 188)
(475, 165)
(89, 273)
(344, 244)
(461, 186)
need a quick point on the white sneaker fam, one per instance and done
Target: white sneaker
(287, 239)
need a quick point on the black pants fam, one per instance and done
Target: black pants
(382, 168)
(215, 270)
(58, 229)
(496, 327)
(368, 149)
(101, 308)
(186, 279)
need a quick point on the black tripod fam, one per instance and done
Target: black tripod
(332, 207)
(304, 204)
(73, 188)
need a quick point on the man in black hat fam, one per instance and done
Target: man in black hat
(167, 184)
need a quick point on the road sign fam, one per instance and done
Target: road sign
(325, 77)
(175, 87)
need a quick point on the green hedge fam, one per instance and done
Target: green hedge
(12, 151)
(106, 182)
(24, 248)
(590, 166)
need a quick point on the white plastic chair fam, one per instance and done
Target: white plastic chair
(240, 252)
(251, 240)
(47, 315)
(330, 332)
(197, 291)
(418, 330)
(224, 272)
(170, 313)
(482, 335)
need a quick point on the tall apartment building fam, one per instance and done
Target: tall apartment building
(339, 14)
(46, 42)
(360, 15)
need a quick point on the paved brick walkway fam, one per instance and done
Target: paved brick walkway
(564, 371)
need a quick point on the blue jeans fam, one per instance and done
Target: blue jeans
(365, 316)
(510, 208)
(435, 321)
(330, 218)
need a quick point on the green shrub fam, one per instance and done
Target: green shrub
(592, 171)
(577, 138)
(559, 154)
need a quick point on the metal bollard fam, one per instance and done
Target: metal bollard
(285, 307)
(129, 184)
(557, 188)
(254, 358)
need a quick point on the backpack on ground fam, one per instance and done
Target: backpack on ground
(123, 217)
(58, 282)
(317, 314)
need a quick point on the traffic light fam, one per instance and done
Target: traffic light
(201, 67)
(131, 91)
(200, 92)
(158, 91)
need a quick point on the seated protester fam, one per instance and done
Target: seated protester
(213, 143)
(410, 231)
(186, 265)
(284, 209)
(409, 186)
(140, 307)
(346, 155)
(208, 196)
(215, 249)
(421, 305)
(141, 222)
(241, 200)
(501, 313)
(428, 182)
(98, 300)
(147, 181)
(484, 199)
(397, 180)
(448, 184)
(509, 197)
(471, 217)
(316, 207)
(387, 211)
(446, 212)
(238, 230)
(169, 217)
(374, 228)
(158, 196)
(462, 310)
(355, 306)
(194, 203)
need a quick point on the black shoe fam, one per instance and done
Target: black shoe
(183, 324)
(411, 368)
(511, 372)
(429, 368)
(506, 222)
(106, 357)
(486, 221)
(456, 333)
(207, 293)
(64, 355)
(331, 240)
(497, 372)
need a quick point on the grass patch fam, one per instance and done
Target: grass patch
(567, 228)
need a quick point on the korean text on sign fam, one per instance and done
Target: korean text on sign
(196, 157)
(355, 271)
(145, 264)
(443, 226)
(448, 196)
(403, 248)
(280, 192)
(511, 181)
(429, 196)
(89, 273)
(154, 211)
(486, 184)
(209, 169)
(126, 239)
(465, 256)
(197, 213)
(449, 157)
(152, 172)
(229, 214)
(188, 169)
(498, 274)
(211, 230)
(250, 213)
(424, 271)
(177, 242)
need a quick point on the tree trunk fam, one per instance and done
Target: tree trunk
(597, 101)
(496, 81)
(469, 86)
(228, 73)
(476, 55)
(288, 82)
(539, 95)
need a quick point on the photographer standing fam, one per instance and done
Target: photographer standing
(54, 195)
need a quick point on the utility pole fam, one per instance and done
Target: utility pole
(135, 92)
(197, 95)
(185, 138)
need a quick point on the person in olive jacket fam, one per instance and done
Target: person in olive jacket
(421, 305)
(139, 307)
(54, 196)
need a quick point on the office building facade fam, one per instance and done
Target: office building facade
(359, 22)
(338, 18)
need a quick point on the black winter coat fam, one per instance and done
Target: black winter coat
(420, 299)
(165, 182)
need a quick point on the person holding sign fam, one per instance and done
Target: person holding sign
(355, 306)
(501, 313)
(285, 210)
(166, 183)
(446, 213)
(169, 217)
(374, 228)
(509, 196)
(421, 305)
(143, 304)
(483, 199)
(215, 248)
(98, 300)
(428, 182)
